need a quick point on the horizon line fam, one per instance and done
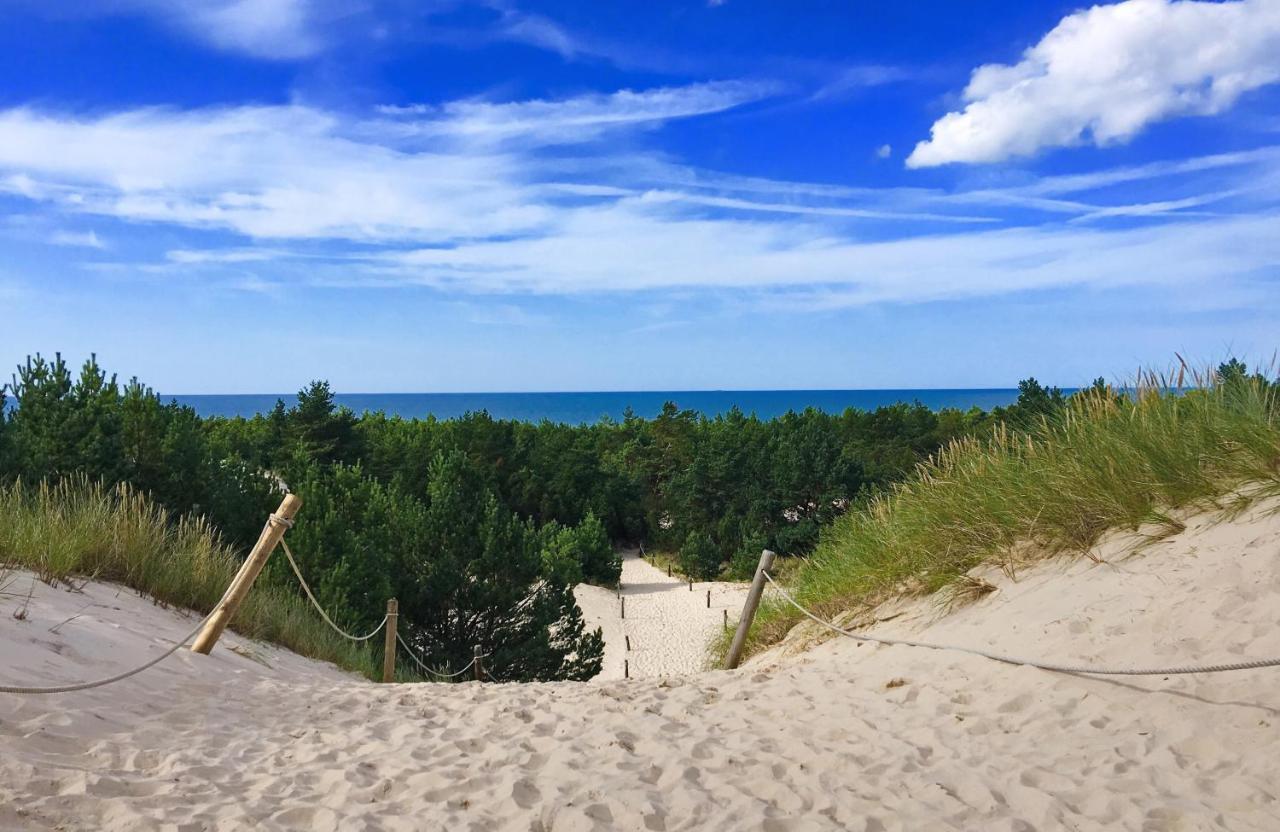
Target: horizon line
(627, 392)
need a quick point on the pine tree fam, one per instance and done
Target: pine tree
(600, 562)
(699, 556)
(477, 580)
(7, 470)
(323, 431)
(40, 429)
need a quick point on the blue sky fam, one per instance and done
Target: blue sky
(242, 195)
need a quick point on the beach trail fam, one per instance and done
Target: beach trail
(668, 625)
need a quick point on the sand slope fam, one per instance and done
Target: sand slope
(841, 737)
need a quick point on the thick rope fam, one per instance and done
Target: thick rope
(289, 555)
(18, 689)
(118, 677)
(1056, 668)
(428, 670)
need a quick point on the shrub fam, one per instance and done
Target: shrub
(699, 557)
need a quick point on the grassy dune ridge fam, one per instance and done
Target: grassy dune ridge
(1108, 462)
(79, 529)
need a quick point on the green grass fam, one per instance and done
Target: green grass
(1105, 464)
(79, 529)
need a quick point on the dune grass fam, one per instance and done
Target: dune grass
(1108, 462)
(77, 530)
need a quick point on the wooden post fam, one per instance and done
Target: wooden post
(749, 610)
(726, 617)
(708, 599)
(624, 606)
(668, 570)
(243, 581)
(691, 584)
(626, 668)
(389, 645)
(479, 663)
(628, 638)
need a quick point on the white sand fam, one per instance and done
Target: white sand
(669, 626)
(819, 741)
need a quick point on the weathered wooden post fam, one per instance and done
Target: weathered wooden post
(243, 581)
(626, 668)
(749, 610)
(668, 570)
(624, 606)
(389, 644)
(628, 640)
(691, 584)
(708, 599)
(478, 661)
(726, 617)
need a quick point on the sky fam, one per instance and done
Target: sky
(233, 196)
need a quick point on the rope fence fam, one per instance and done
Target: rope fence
(298, 572)
(119, 677)
(437, 674)
(1090, 670)
(210, 627)
(272, 534)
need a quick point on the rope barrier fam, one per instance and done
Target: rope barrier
(399, 638)
(437, 673)
(118, 677)
(296, 571)
(1056, 668)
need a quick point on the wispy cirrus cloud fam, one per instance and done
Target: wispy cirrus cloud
(575, 119)
(299, 30)
(541, 197)
(1102, 75)
(81, 239)
(266, 29)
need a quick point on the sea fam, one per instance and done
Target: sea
(580, 408)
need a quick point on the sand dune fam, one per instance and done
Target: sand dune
(839, 737)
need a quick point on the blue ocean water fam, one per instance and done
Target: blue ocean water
(577, 408)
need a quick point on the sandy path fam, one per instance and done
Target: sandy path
(669, 626)
(842, 737)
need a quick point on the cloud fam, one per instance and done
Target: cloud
(268, 29)
(499, 314)
(1102, 75)
(280, 29)
(884, 151)
(860, 77)
(537, 30)
(85, 239)
(582, 117)
(560, 197)
(265, 172)
(294, 30)
(297, 172)
(625, 249)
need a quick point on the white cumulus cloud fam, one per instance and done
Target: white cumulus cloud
(1103, 74)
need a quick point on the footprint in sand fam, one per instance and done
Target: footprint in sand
(525, 793)
(1016, 704)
